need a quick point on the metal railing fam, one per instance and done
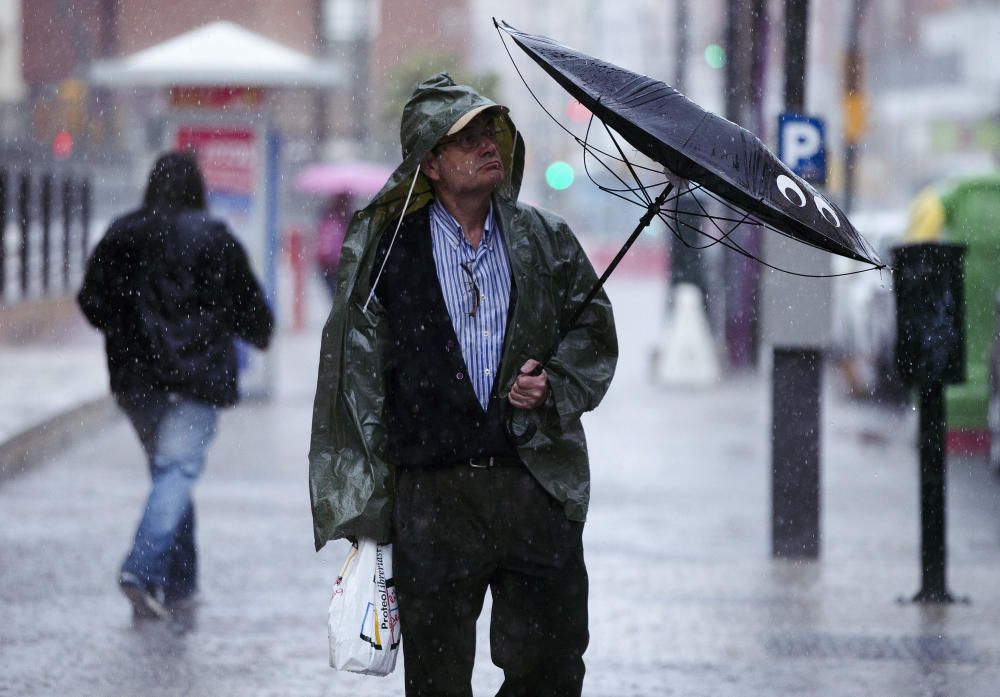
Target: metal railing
(45, 221)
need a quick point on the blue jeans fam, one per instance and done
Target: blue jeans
(175, 433)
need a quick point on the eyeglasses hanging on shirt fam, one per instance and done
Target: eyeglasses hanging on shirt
(473, 289)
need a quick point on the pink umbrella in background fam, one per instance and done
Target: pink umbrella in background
(344, 185)
(350, 177)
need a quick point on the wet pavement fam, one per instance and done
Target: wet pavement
(685, 597)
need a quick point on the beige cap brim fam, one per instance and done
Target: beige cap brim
(464, 120)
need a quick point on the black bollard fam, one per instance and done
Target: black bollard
(24, 220)
(930, 353)
(3, 235)
(67, 229)
(85, 203)
(46, 220)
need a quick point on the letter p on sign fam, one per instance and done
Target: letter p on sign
(802, 146)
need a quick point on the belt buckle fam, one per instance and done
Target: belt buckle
(488, 465)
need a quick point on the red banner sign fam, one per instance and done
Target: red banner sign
(227, 157)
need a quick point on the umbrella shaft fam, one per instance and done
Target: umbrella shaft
(651, 210)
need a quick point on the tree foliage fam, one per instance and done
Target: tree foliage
(413, 69)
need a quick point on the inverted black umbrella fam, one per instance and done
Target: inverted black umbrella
(697, 145)
(703, 149)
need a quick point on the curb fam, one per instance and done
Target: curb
(29, 448)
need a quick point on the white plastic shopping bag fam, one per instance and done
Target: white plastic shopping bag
(364, 616)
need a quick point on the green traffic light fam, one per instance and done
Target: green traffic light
(559, 175)
(715, 56)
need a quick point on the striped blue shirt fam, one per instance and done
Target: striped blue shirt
(486, 272)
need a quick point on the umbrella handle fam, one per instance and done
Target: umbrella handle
(513, 436)
(508, 422)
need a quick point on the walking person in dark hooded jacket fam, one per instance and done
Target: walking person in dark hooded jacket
(171, 289)
(451, 293)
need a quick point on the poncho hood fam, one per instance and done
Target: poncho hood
(436, 105)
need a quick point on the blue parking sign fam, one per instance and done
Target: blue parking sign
(802, 146)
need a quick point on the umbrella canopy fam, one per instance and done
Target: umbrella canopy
(356, 177)
(720, 156)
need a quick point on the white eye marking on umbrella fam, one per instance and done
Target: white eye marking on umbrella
(785, 184)
(826, 210)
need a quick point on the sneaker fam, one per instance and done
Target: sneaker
(147, 601)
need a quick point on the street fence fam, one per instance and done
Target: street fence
(45, 223)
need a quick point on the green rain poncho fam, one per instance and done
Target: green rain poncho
(350, 470)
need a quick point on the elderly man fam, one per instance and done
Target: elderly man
(451, 293)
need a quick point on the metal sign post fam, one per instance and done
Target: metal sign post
(796, 321)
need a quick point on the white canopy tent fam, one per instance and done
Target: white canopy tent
(220, 53)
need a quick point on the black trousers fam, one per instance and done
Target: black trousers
(460, 531)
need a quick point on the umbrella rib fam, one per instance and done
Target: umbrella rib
(674, 224)
(750, 218)
(596, 149)
(525, 82)
(714, 219)
(739, 250)
(587, 149)
(556, 121)
(617, 193)
(745, 216)
(727, 241)
(584, 142)
(645, 194)
(603, 187)
(723, 235)
(590, 150)
(726, 238)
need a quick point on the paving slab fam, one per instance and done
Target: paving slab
(55, 388)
